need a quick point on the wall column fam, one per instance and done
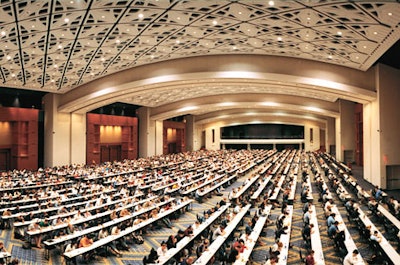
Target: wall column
(65, 135)
(190, 130)
(311, 137)
(381, 131)
(338, 138)
(348, 139)
(330, 135)
(150, 134)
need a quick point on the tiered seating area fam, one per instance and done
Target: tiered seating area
(208, 207)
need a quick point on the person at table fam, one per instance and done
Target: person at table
(352, 258)
(271, 261)
(276, 249)
(306, 233)
(2, 250)
(202, 247)
(38, 238)
(103, 233)
(70, 247)
(121, 241)
(375, 236)
(187, 261)
(239, 245)
(162, 249)
(331, 219)
(233, 255)
(171, 242)
(310, 258)
(86, 241)
(333, 229)
(219, 231)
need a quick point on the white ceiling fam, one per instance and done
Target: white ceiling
(57, 46)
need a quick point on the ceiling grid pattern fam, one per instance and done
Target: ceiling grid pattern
(56, 46)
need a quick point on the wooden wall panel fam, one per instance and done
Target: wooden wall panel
(24, 127)
(129, 141)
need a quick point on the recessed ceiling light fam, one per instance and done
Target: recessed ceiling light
(3, 33)
(103, 16)
(390, 14)
(117, 41)
(33, 26)
(140, 15)
(339, 33)
(59, 46)
(375, 32)
(178, 41)
(357, 57)
(71, 2)
(279, 38)
(234, 47)
(66, 20)
(152, 56)
(308, 18)
(330, 56)
(271, 3)
(364, 46)
(13, 75)
(102, 59)
(215, 22)
(8, 57)
(55, 66)
(52, 80)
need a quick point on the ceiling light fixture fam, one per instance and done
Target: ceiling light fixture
(279, 38)
(339, 33)
(3, 33)
(215, 22)
(271, 3)
(66, 20)
(140, 15)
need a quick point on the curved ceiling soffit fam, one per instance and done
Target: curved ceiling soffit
(245, 107)
(258, 118)
(161, 90)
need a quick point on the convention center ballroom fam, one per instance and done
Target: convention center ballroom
(199, 132)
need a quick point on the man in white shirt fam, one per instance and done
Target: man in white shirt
(351, 258)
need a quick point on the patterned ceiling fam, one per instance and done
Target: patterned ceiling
(56, 46)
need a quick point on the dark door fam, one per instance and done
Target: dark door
(5, 159)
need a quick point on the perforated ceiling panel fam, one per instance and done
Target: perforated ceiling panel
(58, 45)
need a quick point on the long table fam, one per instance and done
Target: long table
(257, 193)
(285, 239)
(389, 216)
(245, 256)
(183, 242)
(245, 187)
(104, 241)
(384, 244)
(217, 243)
(316, 238)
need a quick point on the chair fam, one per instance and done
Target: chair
(145, 260)
(302, 259)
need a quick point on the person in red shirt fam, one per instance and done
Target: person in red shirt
(239, 245)
(310, 258)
